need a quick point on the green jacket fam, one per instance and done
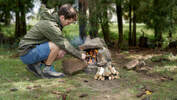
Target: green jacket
(47, 29)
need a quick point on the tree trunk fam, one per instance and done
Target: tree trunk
(130, 22)
(23, 20)
(17, 23)
(93, 19)
(7, 17)
(170, 34)
(134, 27)
(82, 19)
(119, 21)
(158, 36)
(105, 25)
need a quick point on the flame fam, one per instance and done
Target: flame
(91, 56)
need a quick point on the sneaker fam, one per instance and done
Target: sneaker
(52, 69)
(35, 69)
(51, 73)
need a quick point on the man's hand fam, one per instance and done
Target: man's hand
(83, 56)
(61, 54)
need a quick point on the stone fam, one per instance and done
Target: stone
(132, 64)
(92, 44)
(73, 65)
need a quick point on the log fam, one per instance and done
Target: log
(73, 65)
(106, 73)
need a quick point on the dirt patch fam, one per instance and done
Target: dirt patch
(109, 89)
(123, 88)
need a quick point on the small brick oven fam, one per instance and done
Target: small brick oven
(99, 59)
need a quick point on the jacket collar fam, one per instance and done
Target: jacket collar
(58, 21)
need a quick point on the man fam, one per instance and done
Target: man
(45, 43)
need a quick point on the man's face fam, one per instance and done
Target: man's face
(66, 22)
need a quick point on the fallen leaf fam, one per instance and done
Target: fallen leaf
(68, 90)
(13, 89)
(64, 96)
(61, 80)
(56, 92)
(148, 92)
(140, 94)
(29, 87)
(37, 86)
(86, 81)
(83, 95)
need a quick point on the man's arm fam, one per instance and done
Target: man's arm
(52, 32)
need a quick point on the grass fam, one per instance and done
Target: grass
(14, 75)
(72, 31)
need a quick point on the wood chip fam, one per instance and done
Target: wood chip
(13, 89)
(29, 87)
(56, 92)
(83, 95)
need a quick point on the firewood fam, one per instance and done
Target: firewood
(110, 78)
(114, 70)
(95, 77)
(110, 68)
(117, 73)
(102, 78)
(116, 77)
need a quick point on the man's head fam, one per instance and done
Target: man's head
(67, 14)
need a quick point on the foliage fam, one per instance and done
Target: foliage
(158, 13)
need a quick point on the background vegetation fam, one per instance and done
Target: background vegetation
(140, 24)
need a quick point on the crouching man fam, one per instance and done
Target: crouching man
(44, 43)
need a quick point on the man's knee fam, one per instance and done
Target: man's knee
(60, 54)
(53, 46)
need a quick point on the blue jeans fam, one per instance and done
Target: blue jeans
(37, 54)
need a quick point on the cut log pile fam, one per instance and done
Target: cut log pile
(107, 73)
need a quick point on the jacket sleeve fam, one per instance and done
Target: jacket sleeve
(53, 33)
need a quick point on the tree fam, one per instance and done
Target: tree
(82, 18)
(104, 20)
(21, 8)
(119, 21)
(130, 23)
(135, 5)
(158, 15)
(93, 17)
(5, 8)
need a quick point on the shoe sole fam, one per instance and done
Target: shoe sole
(37, 75)
(49, 76)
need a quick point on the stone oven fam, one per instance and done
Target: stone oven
(99, 59)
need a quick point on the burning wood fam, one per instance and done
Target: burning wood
(98, 55)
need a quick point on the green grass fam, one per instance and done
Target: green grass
(14, 75)
(72, 31)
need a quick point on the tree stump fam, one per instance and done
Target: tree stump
(73, 65)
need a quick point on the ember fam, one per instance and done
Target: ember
(91, 56)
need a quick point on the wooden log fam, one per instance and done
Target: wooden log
(102, 78)
(116, 77)
(95, 77)
(73, 65)
(109, 78)
(117, 73)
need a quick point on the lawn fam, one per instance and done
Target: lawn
(19, 84)
(161, 77)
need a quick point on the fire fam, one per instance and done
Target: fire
(91, 55)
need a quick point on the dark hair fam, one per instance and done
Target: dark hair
(68, 11)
